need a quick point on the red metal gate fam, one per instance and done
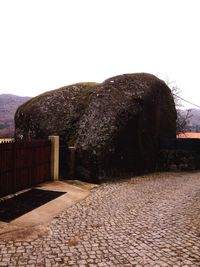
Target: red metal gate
(24, 165)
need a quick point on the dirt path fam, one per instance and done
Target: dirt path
(149, 221)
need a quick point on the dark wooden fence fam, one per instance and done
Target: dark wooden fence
(24, 165)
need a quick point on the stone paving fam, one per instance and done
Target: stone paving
(146, 221)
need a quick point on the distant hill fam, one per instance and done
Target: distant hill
(8, 106)
(194, 121)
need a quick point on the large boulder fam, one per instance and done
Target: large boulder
(115, 126)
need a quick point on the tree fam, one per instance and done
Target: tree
(183, 120)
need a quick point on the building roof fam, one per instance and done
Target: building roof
(188, 135)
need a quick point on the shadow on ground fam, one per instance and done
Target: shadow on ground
(19, 205)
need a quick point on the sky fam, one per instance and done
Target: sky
(46, 44)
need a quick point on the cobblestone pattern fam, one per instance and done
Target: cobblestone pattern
(150, 221)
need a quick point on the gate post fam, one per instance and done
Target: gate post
(54, 157)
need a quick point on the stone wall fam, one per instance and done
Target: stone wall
(179, 155)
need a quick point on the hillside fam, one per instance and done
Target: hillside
(8, 106)
(194, 121)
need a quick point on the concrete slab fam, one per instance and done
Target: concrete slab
(35, 223)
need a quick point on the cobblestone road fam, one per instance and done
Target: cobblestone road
(150, 221)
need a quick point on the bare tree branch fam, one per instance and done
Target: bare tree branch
(182, 122)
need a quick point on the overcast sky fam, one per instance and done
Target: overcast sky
(45, 44)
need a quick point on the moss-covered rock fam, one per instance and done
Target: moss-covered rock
(115, 126)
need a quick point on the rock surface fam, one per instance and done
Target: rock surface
(115, 126)
(53, 113)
